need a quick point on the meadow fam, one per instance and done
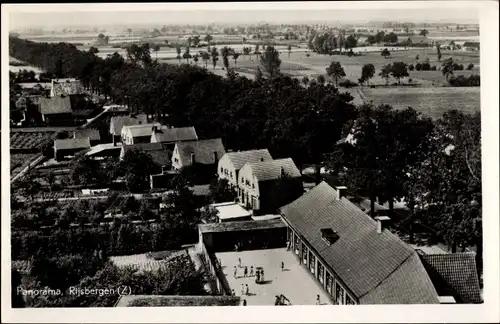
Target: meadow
(432, 102)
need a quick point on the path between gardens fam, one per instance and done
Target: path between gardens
(136, 196)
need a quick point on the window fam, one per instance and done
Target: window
(349, 300)
(177, 161)
(231, 174)
(321, 272)
(329, 282)
(222, 170)
(253, 185)
(304, 254)
(339, 294)
(297, 244)
(312, 262)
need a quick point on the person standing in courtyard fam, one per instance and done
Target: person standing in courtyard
(242, 290)
(239, 262)
(318, 302)
(282, 266)
(233, 293)
(244, 302)
(247, 290)
(235, 272)
(245, 272)
(251, 271)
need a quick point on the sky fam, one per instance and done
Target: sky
(23, 16)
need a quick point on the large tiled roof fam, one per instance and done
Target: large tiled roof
(143, 130)
(93, 134)
(159, 152)
(55, 105)
(418, 39)
(238, 159)
(167, 134)
(241, 226)
(66, 87)
(176, 300)
(117, 122)
(72, 143)
(203, 151)
(458, 271)
(376, 268)
(271, 170)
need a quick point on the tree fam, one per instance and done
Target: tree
(305, 80)
(385, 73)
(156, 48)
(289, 47)
(270, 61)
(447, 67)
(423, 32)
(350, 42)
(205, 56)
(85, 170)
(259, 76)
(336, 71)
(445, 188)
(221, 191)
(178, 50)
(385, 53)
(438, 48)
(383, 143)
(235, 57)
(51, 179)
(215, 56)
(137, 166)
(195, 59)
(321, 79)
(187, 56)
(208, 38)
(416, 57)
(129, 31)
(399, 70)
(367, 72)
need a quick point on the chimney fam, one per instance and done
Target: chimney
(382, 223)
(341, 192)
(215, 157)
(192, 158)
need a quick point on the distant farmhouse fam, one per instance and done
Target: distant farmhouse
(204, 152)
(116, 124)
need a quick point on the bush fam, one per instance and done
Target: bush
(418, 67)
(470, 66)
(461, 67)
(434, 68)
(411, 67)
(462, 81)
(348, 83)
(426, 66)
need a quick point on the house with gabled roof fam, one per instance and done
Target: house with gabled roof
(117, 122)
(136, 134)
(355, 258)
(159, 152)
(205, 152)
(166, 134)
(69, 147)
(230, 164)
(267, 185)
(56, 110)
(93, 135)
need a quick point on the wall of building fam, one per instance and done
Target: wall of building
(248, 188)
(225, 170)
(325, 276)
(176, 160)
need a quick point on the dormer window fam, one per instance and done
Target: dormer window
(329, 236)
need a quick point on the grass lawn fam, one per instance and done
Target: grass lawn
(432, 102)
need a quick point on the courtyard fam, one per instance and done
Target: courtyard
(295, 282)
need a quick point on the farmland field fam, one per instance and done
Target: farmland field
(28, 140)
(431, 102)
(20, 161)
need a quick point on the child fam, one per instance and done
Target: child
(242, 290)
(233, 293)
(317, 300)
(246, 289)
(251, 271)
(282, 266)
(239, 262)
(244, 302)
(235, 271)
(245, 272)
